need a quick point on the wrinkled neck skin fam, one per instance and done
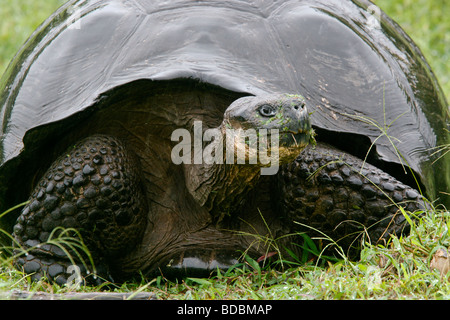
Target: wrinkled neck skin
(221, 188)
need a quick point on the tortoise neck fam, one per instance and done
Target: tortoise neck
(222, 188)
(219, 184)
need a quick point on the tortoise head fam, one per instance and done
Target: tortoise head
(256, 136)
(276, 124)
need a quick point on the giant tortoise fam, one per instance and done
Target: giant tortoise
(118, 118)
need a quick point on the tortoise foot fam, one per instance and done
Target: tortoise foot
(51, 263)
(198, 263)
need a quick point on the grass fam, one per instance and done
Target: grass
(18, 19)
(427, 23)
(399, 270)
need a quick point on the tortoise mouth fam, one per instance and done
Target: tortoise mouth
(292, 139)
(288, 134)
(305, 130)
(300, 136)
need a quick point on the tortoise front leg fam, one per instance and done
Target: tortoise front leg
(326, 189)
(95, 189)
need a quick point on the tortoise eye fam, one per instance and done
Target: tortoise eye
(267, 110)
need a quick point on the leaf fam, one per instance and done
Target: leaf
(200, 281)
(253, 264)
(293, 255)
(13, 208)
(310, 244)
(266, 256)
